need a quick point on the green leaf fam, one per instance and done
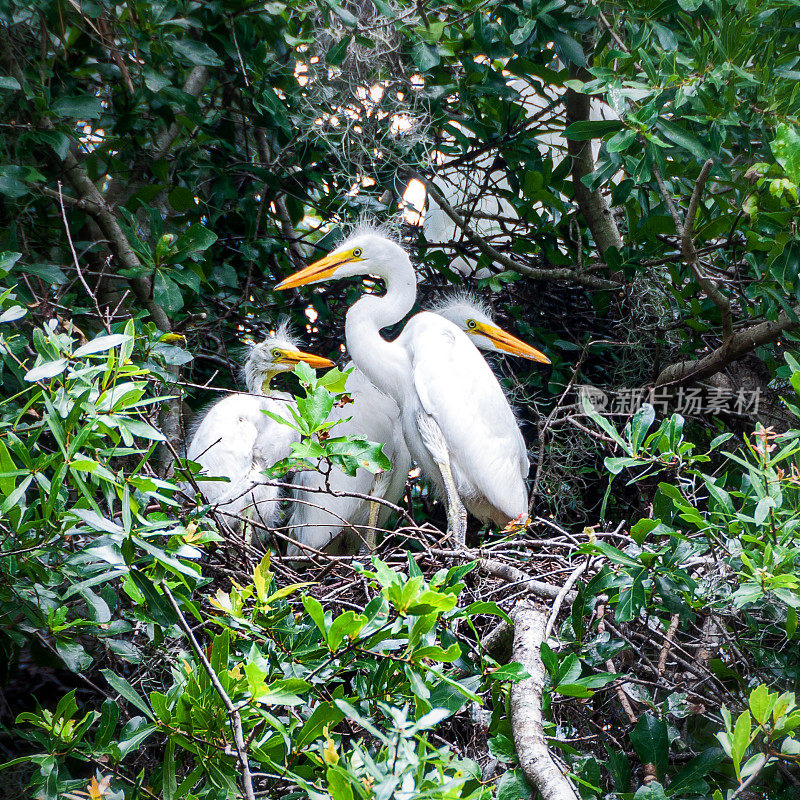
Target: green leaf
(101, 344)
(96, 522)
(689, 778)
(314, 610)
(425, 56)
(502, 748)
(169, 783)
(690, 5)
(513, 786)
(681, 137)
(620, 768)
(653, 791)
(349, 19)
(197, 53)
(592, 129)
(167, 293)
(181, 199)
(338, 51)
(791, 622)
(14, 313)
(7, 261)
(109, 715)
(73, 655)
(786, 149)
(651, 742)
(196, 239)
(123, 688)
(346, 624)
(84, 106)
(569, 49)
(47, 370)
(9, 83)
(57, 140)
(740, 740)
(666, 38)
(632, 598)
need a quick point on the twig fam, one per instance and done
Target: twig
(513, 575)
(685, 231)
(621, 695)
(233, 713)
(81, 278)
(749, 780)
(576, 573)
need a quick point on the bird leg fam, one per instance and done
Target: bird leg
(368, 544)
(369, 537)
(456, 513)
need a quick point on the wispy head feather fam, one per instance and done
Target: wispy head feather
(460, 298)
(365, 226)
(260, 360)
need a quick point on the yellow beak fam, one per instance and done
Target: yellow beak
(510, 344)
(318, 271)
(295, 356)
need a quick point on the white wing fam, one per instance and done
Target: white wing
(460, 393)
(236, 440)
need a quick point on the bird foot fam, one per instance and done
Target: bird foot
(517, 524)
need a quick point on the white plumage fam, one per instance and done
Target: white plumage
(455, 419)
(236, 440)
(318, 519)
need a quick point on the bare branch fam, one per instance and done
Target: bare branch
(738, 345)
(233, 714)
(525, 705)
(565, 590)
(194, 84)
(513, 575)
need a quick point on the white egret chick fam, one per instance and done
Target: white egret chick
(456, 421)
(236, 440)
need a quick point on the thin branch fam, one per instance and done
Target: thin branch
(81, 278)
(233, 713)
(513, 575)
(194, 84)
(662, 658)
(565, 590)
(685, 231)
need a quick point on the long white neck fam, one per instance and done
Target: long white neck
(385, 363)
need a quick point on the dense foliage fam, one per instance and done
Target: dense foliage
(164, 164)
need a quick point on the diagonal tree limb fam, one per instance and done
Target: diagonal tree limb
(685, 230)
(739, 344)
(233, 713)
(525, 707)
(195, 83)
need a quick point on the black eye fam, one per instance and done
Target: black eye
(276, 353)
(357, 252)
(471, 324)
